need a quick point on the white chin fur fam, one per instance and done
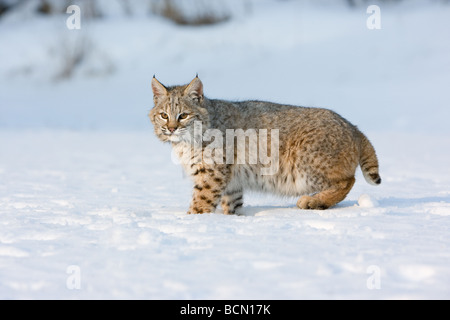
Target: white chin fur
(174, 138)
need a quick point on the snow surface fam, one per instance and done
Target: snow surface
(92, 207)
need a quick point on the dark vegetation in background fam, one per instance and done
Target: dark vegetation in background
(181, 12)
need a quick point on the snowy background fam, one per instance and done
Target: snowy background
(92, 207)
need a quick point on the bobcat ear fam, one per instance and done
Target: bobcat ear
(158, 88)
(195, 89)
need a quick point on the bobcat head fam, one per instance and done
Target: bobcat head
(176, 108)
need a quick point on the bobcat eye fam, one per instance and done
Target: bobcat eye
(182, 116)
(164, 116)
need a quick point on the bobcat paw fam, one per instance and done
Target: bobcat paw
(308, 202)
(196, 210)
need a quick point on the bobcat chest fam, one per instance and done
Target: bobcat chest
(187, 156)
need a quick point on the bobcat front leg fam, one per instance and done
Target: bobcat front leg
(232, 199)
(209, 184)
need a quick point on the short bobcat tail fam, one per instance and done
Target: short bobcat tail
(368, 161)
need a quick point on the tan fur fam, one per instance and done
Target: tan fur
(318, 150)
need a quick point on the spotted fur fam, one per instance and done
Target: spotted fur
(319, 150)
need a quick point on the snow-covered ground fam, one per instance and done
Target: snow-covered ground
(92, 207)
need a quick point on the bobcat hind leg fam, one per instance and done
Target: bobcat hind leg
(328, 197)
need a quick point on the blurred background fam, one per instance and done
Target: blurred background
(311, 53)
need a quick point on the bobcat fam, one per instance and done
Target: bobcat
(317, 150)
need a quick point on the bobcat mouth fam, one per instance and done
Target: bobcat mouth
(170, 133)
(176, 132)
(173, 136)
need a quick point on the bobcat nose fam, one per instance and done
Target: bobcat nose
(172, 129)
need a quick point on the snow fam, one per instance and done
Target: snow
(365, 201)
(92, 207)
